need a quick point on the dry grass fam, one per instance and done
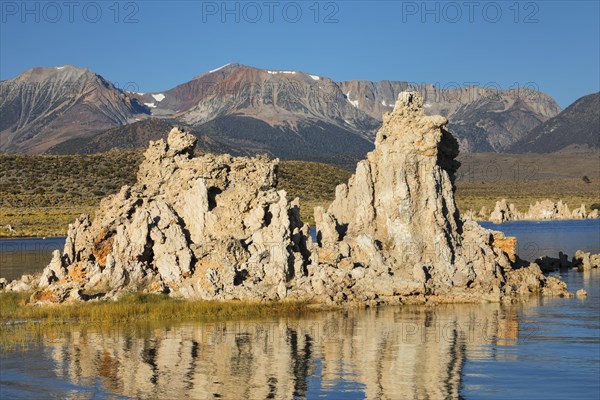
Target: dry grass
(526, 178)
(23, 324)
(74, 184)
(40, 221)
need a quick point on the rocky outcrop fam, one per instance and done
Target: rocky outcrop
(211, 227)
(548, 210)
(582, 261)
(216, 227)
(504, 212)
(396, 224)
(586, 261)
(541, 210)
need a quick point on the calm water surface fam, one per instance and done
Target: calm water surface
(541, 349)
(547, 238)
(26, 256)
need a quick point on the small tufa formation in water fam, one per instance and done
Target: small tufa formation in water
(216, 227)
(544, 210)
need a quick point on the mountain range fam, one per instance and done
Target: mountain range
(576, 128)
(44, 106)
(242, 109)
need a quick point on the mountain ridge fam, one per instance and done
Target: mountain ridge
(294, 102)
(44, 106)
(575, 127)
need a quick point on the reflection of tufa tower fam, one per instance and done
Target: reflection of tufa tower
(389, 353)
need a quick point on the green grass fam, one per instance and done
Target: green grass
(24, 324)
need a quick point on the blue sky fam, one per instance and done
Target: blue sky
(155, 45)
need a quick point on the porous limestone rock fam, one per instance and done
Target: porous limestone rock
(541, 210)
(585, 261)
(398, 216)
(504, 212)
(548, 210)
(211, 227)
(216, 227)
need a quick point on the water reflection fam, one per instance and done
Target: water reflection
(376, 354)
(26, 256)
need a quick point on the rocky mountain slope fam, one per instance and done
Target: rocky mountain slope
(482, 119)
(134, 136)
(289, 114)
(45, 106)
(577, 126)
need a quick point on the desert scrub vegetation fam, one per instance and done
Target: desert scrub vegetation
(24, 324)
(41, 194)
(314, 183)
(78, 176)
(523, 179)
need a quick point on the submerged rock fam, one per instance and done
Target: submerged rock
(216, 227)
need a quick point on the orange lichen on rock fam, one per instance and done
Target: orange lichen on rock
(102, 247)
(507, 244)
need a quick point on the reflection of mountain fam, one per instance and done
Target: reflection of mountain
(387, 353)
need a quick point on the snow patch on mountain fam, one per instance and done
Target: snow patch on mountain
(353, 102)
(216, 69)
(159, 97)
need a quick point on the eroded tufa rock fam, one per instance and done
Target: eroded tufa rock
(216, 227)
(541, 210)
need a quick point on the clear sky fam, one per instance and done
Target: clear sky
(155, 45)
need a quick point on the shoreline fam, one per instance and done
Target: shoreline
(2, 237)
(536, 220)
(25, 325)
(31, 237)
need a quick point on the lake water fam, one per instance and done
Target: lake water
(541, 349)
(26, 256)
(547, 238)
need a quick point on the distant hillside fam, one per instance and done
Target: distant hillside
(136, 136)
(308, 140)
(576, 126)
(41, 194)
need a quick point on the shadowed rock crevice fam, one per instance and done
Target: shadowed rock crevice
(215, 227)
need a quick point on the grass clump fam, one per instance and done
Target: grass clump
(139, 306)
(24, 324)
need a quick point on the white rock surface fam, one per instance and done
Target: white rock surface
(216, 227)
